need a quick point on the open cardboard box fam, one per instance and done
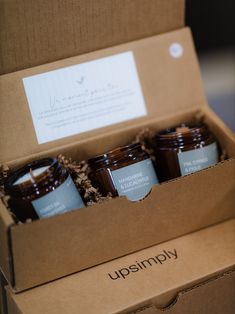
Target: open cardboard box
(191, 274)
(37, 252)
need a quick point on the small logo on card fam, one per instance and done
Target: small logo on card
(176, 50)
(81, 80)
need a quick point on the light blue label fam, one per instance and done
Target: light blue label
(198, 159)
(135, 181)
(63, 199)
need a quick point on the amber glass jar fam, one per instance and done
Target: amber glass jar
(41, 189)
(127, 170)
(184, 149)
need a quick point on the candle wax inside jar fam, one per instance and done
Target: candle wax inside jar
(27, 177)
(182, 129)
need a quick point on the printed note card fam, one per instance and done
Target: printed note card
(84, 97)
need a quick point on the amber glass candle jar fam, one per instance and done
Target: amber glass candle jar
(184, 149)
(125, 171)
(41, 189)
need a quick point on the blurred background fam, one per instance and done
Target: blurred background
(213, 27)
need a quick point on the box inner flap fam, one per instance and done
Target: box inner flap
(169, 85)
(38, 32)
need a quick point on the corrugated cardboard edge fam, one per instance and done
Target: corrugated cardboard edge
(152, 309)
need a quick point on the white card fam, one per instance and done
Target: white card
(84, 97)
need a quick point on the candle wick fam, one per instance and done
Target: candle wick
(32, 176)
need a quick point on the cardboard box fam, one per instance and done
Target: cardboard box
(38, 32)
(3, 284)
(61, 245)
(192, 274)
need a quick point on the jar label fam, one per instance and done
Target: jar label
(135, 181)
(63, 199)
(198, 159)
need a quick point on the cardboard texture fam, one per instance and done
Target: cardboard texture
(191, 274)
(38, 32)
(3, 284)
(203, 299)
(164, 94)
(93, 235)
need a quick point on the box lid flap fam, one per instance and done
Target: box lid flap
(169, 77)
(154, 275)
(38, 32)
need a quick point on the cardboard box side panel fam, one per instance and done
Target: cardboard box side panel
(12, 307)
(5, 251)
(38, 32)
(194, 258)
(163, 91)
(225, 136)
(115, 237)
(214, 296)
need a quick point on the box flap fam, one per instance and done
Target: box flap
(170, 83)
(38, 32)
(156, 274)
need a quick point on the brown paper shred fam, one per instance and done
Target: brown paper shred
(79, 173)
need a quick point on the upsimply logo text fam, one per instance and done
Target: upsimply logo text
(159, 259)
